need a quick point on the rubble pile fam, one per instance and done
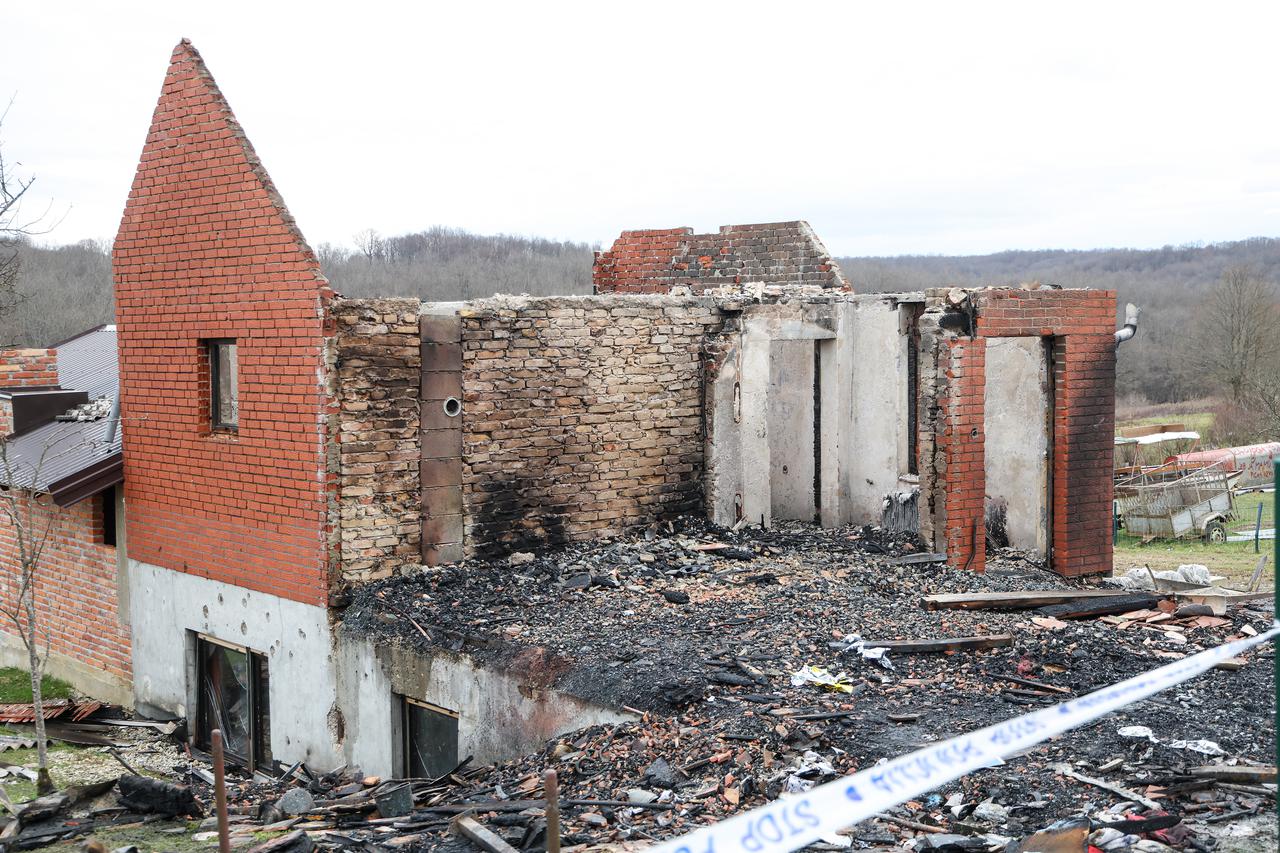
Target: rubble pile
(747, 655)
(758, 664)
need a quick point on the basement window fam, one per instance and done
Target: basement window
(430, 738)
(224, 384)
(233, 697)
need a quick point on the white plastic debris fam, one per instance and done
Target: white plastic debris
(1138, 732)
(1204, 747)
(855, 643)
(822, 677)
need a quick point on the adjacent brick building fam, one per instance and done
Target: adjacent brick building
(57, 450)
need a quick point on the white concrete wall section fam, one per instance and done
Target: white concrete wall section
(874, 457)
(723, 453)
(790, 426)
(1016, 419)
(167, 606)
(753, 426)
(500, 715)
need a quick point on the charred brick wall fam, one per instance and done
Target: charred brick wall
(582, 417)
(206, 249)
(655, 260)
(1080, 324)
(961, 441)
(76, 582)
(377, 367)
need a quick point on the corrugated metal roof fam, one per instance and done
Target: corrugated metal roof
(88, 362)
(46, 455)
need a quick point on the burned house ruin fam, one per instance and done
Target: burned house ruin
(284, 446)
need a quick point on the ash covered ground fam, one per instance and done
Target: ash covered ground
(704, 642)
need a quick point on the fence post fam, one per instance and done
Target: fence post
(1257, 527)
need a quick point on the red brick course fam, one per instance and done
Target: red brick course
(657, 259)
(206, 249)
(25, 368)
(76, 594)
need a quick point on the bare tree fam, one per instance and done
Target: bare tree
(1239, 330)
(370, 244)
(15, 226)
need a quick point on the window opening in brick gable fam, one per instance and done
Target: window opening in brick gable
(234, 697)
(429, 739)
(224, 383)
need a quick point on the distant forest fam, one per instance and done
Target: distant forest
(1170, 285)
(68, 288)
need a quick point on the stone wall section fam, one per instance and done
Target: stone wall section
(378, 364)
(582, 417)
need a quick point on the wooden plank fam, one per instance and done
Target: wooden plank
(1122, 793)
(1099, 606)
(1012, 600)
(1223, 773)
(910, 647)
(917, 559)
(1027, 682)
(475, 832)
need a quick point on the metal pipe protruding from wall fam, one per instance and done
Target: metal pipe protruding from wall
(113, 420)
(1130, 329)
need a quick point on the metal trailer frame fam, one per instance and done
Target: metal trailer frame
(1156, 505)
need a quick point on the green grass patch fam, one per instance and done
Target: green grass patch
(1200, 422)
(15, 686)
(1235, 560)
(148, 837)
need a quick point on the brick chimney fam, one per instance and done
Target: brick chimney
(24, 368)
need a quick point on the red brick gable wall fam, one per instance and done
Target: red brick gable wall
(76, 594)
(206, 249)
(656, 260)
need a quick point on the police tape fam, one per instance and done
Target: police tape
(792, 822)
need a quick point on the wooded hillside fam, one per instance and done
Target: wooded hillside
(68, 288)
(1169, 284)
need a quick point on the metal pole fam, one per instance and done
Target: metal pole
(220, 791)
(1275, 577)
(551, 788)
(1257, 527)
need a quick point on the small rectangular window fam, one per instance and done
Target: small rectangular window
(107, 513)
(234, 698)
(224, 384)
(430, 738)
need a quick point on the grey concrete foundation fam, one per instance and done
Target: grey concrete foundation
(169, 608)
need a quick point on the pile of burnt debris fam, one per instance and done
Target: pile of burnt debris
(755, 665)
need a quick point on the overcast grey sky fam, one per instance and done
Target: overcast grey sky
(923, 128)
